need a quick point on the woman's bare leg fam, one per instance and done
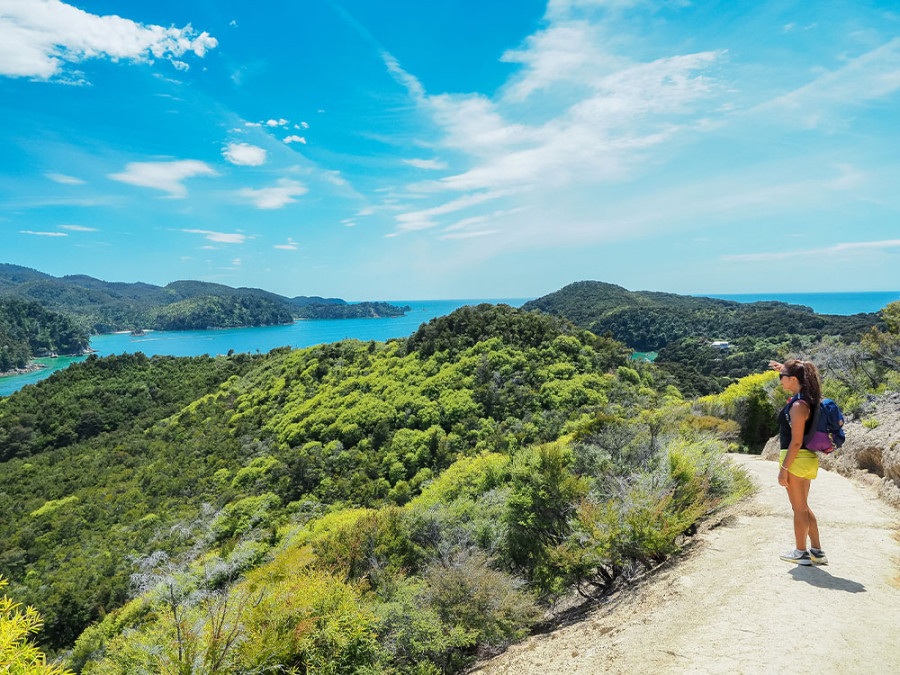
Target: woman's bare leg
(813, 523)
(798, 489)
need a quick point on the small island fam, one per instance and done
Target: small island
(359, 310)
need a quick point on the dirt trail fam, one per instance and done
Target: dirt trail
(732, 606)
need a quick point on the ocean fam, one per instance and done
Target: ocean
(308, 333)
(825, 303)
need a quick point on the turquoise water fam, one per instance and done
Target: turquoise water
(308, 333)
(825, 303)
(298, 334)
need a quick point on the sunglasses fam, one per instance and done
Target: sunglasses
(780, 375)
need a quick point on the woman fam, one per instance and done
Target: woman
(799, 465)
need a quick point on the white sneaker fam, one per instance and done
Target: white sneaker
(797, 556)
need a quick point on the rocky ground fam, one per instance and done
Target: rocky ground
(730, 605)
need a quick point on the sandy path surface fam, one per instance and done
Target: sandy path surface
(732, 606)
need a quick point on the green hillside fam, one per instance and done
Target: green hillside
(683, 329)
(369, 507)
(102, 307)
(360, 483)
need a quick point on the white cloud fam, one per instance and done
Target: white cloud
(244, 154)
(420, 220)
(277, 123)
(291, 245)
(64, 179)
(872, 75)
(304, 125)
(335, 177)
(467, 235)
(426, 163)
(612, 113)
(274, 197)
(165, 176)
(44, 234)
(367, 211)
(78, 228)
(220, 237)
(295, 139)
(252, 124)
(236, 262)
(829, 252)
(38, 37)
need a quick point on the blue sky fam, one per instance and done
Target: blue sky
(411, 150)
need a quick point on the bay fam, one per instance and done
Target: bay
(303, 333)
(313, 332)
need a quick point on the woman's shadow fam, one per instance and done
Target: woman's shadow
(817, 576)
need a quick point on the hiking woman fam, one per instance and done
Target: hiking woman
(799, 465)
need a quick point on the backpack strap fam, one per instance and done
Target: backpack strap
(807, 437)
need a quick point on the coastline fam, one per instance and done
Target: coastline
(32, 367)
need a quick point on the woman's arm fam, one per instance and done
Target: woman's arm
(799, 415)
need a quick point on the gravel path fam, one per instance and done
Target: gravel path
(732, 606)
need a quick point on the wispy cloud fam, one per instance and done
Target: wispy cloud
(276, 197)
(220, 237)
(79, 228)
(295, 139)
(829, 252)
(424, 218)
(165, 176)
(38, 37)
(467, 235)
(871, 76)
(244, 154)
(291, 245)
(603, 117)
(64, 179)
(430, 164)
(44, 234)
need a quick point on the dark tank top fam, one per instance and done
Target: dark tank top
(784, 422)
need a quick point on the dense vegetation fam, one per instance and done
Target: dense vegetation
(683, 328)
(374, 506)
(102, 307)
(209, 311)
(18, 654)
(366, 507)
(28, 330)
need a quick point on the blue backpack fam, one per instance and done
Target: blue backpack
(826, 432)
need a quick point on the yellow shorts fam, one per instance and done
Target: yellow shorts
(805, 464)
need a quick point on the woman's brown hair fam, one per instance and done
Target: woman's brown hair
(808, 376)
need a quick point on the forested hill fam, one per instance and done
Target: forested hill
(683, 329)
(388, 506)
(28, 330)
(102, 307)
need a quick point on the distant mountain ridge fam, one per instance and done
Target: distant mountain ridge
(102, 306)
